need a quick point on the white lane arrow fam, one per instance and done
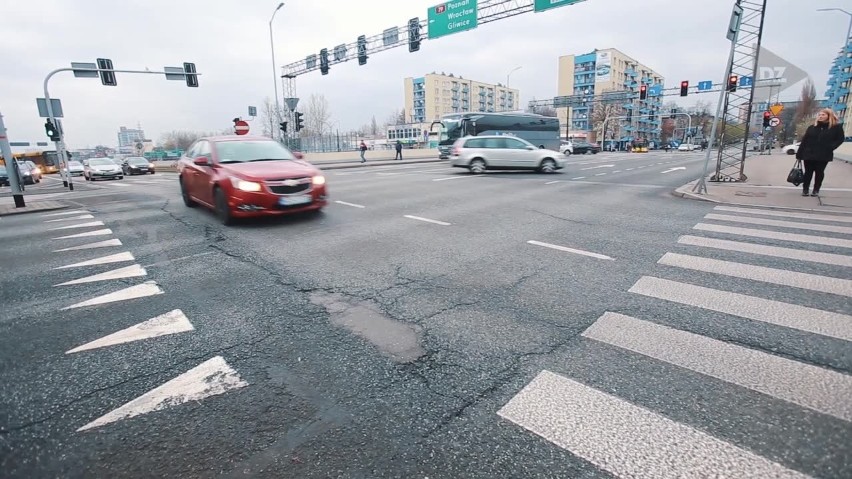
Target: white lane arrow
(673, 169)
(601, 166)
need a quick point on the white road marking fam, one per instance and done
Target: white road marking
(168, 261)
(626, 440)
(120, 185)
(210, 378)
(578, 178)
(87, 233)
(172, 322)
(80, 225)
(552, 182)
(350, 204)
(776, 251)
(571, 250)
(81, 217)
(782, 277)
(113, 258)
(596, 167)
(427, 220)
(616, 171)
(672, 169)
(802, 318)
(785, 214)
(600, 174)
(459, 177)
(815, 388)
(132, 271)
(65, 213)
(99, 244)
(799, 238)
(781, 224)
(629, 169)
(148, 288)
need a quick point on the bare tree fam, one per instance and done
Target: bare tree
(702, 118)
(546, 111)
(374, 126)
(269, 118)
(808, 105)
(317, 115)
(182, 139)
(603, 111)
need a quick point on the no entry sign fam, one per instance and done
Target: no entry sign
(241, 127)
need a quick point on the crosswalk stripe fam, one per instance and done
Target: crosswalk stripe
(120, 185)
(782, 277)
(102, 232)
(794, 316)
(785, 214)
(172, 322)
(775, 251)
(624, 439)
(79, 225)
(113, 258)
(98, 244)
(132, 271)
(81, 217)
(779, 223)
(754, 233)
(63, 213)
(148, 288)
(815, 388)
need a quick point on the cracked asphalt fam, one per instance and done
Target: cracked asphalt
(373, 345)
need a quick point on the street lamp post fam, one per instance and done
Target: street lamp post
(507, 79)
(274, 69)
(849, 30)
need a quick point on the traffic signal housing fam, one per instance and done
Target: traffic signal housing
(732, 83)
(300, 122)
(189, 73)
(283, 126)
(106, 72)
(414, 34)
(643, 92)
(362, 50)
(766, 117)
(51, 130)
(324, 61)
(684, 88)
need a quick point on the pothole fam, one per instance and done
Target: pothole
(398, 340)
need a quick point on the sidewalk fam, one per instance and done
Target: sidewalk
(8, 207)
(767, 186)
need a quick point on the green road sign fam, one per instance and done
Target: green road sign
(542, 5)
(452, 17)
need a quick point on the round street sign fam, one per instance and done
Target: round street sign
(774, 121)
(241, 127)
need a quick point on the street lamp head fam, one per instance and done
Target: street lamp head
(279, 6)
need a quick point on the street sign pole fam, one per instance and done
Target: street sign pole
(11, 167)
(64, 171)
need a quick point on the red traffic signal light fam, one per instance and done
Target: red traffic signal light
(643, 92)
(684, 88)
(732, 83)
(766, 117)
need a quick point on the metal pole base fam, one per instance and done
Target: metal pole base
(71, 186)
(65, 184)
(19, 201)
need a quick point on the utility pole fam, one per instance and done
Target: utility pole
(11, 166)
(274, 69)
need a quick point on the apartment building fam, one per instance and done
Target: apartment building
(838, 97)
(431, 96)
(588, 75)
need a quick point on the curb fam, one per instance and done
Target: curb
(682, 192)
(34, 207)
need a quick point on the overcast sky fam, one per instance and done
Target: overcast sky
(228, 40)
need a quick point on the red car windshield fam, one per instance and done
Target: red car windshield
(246, 151)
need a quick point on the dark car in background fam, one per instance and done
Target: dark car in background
(585, 148)
(30, 173)
(4, 176)
(137, 165)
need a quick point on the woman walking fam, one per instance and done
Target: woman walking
(817, 148)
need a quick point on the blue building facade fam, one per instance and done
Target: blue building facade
(839, 82)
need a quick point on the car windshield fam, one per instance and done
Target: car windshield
(75, 164)
(2, 170)
(251, 150)
(137, 161)
(101, 162)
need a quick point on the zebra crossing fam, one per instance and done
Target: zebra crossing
(748, 265)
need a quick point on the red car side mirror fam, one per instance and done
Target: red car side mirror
(299, 155)
(201, 161)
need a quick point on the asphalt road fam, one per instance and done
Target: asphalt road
(432, 324)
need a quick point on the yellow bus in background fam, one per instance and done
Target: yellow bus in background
(47, 161)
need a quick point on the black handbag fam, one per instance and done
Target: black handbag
(796, 176)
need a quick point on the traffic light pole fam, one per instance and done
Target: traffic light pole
(11, 167)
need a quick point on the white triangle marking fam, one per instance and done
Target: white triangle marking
(170, 323)
(63, 213)
(81, 225)
(81, 217)
(113, 258)
(210, 378)
(126, 272)
(87, 233)
(148, 288)
(99, 244)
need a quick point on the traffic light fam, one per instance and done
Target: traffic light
(362, 50)
(732, 83)
(684, 88)
(51, 130)
(189, 73)
(674, 111)
(414, 34)
(324, 61)
(766, 117)
(283, 126)
(643, 92)
(106, 72)
(299, 120)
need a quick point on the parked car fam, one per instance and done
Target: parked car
(29, 172)
(75, 167)
(791, 149)
(137, 165)
(4, 176)
(240, 177)
(102, 169)
(687, 147)
(566, 148)
(501, 152)
(585, 148)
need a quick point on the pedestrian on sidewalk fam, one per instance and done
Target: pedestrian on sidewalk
(398, 155)
(363, 151)
(817, 148)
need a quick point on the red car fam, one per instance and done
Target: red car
(240, 177)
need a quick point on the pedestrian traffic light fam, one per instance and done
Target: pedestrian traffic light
(766, 117)
(362, 50)
(299, 120)
(51, 130)
(283, 126)
(414, 34)
(324, 61)
(189, 73)
(684, 88)
(643, 92)
(732, 83)
(106, 72)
